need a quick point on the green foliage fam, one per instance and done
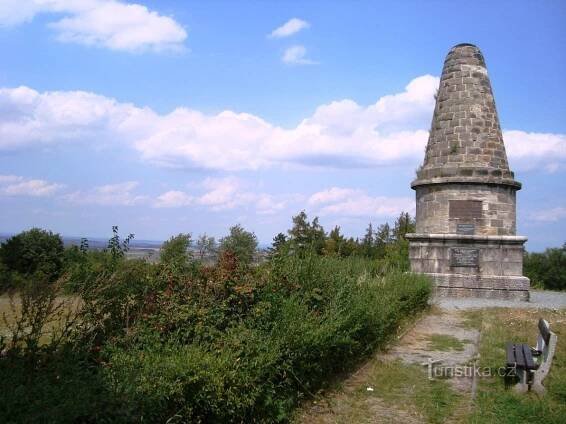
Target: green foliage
(32, 252)
(386, 244)
(395, 257)
(221, 343)
(175, 251)
(242, 243)
(307, 236)
(117, 247)
(547, 270)
(404, 224)
(212, 360)
(206, 245)
(83, 266)
(38, 308)
(56, 387)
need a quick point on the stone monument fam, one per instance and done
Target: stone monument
(465, 235)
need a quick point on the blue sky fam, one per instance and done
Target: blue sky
(165, 117)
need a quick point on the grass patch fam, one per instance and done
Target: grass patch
(408, 386)
(496, 404)
(444, 342)
(390, 391)
(404, 391)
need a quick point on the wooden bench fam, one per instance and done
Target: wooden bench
(531, 365)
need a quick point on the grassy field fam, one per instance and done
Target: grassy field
(393, 391)
(496, 404)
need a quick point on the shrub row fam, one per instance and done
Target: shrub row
(313, 318)
(227, 343)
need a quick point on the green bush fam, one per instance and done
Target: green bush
(175, 251)
(56, 387)
(547, 270)
(242, 243)
(223, 343)
(30, 253)
(308, 320)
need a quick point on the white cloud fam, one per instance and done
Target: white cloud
(550, 215)
(534, 150)
(296, 55)
(28, 117)
(13, 185)
(105, 23)
(221, 194)
(120, 194)
(292, 26)
(173, 199)
(355, 202)
(14, 12)
(224, 193)
(342, 133)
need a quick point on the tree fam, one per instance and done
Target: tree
(279, 241)
(349, 247)
(368, 242)
(116, 246)
(317, 236)
(382, 239)
(404, 224)
(34, 251)
(547, 269)
(334, 243)
(175, 251)
(205, 245)
(300, 232)
(242, 243)
(306, 235)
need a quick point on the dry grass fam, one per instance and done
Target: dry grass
(10, 310)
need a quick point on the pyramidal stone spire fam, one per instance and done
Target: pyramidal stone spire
(465, 137)
(465, 237)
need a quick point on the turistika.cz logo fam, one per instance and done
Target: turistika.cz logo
(434, 370)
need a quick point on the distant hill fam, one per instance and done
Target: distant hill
(95, 243)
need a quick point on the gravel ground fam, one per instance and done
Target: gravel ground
(540, 299)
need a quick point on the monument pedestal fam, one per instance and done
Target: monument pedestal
(485, 266)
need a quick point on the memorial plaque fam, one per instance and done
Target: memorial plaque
(467, 229)
(464, 256)
(465, 209)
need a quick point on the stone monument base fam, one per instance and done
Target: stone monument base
(471, 265)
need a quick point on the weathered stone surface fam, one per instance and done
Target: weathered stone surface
(498, 208)
(465, 132)
(466, 193)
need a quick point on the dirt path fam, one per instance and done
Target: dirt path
(441, 336)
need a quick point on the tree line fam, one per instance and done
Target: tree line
(41, 253)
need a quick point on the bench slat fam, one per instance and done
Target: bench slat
(520, 357)
(544, 330)
(527, 354)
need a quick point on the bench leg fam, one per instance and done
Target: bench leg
(537, 382)
(522, 386)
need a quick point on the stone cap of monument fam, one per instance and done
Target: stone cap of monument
(465, 142)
